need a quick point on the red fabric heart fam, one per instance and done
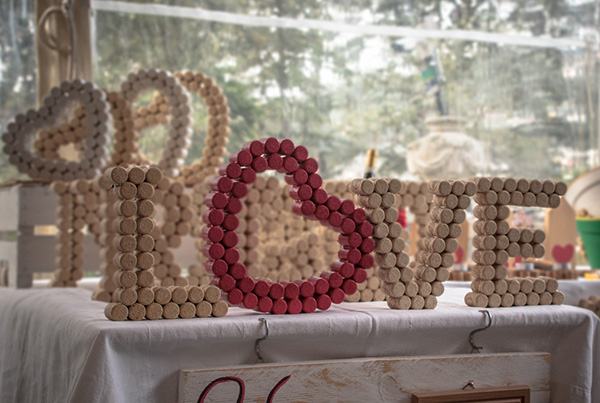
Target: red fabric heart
(563, 254)
(311, 201)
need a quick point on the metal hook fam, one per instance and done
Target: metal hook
(474, 348)
(259, 357)
(470, 384)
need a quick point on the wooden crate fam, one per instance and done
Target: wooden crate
(27, 207)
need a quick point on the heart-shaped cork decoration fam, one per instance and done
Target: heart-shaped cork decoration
(178, 99)
(217, 132)
(18, 138)
(563, 254)
(310, 200)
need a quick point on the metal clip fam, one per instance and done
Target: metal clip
(259, 357)
(474, 348)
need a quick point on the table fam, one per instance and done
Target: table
(57, 346)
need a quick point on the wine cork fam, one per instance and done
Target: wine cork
(494, 301)
(485, 287)
(516, 198)
(450, 201)
(417, 302)
(187, 310)
(441, 188)
(558, 298)
(363, 187)
(117, 175)
(483, 184)
(443, 215)
(219, 309)
(195, 294)
(154, 311)
(430, 302)
(500, 287)
(153, 176)
(560, 188)
(513, 286)
(526, 250)
(484, 242)
(475, 299)
(426, 273)
(116, 311)
(440, 230)
(387, 200)
(508, 299)
(535, 186)
(553, 201)
(395, 290)
(204, 309)
(372, 201)
(483, 272)
(485, 227)
(137, 312)
(145, 296)
(503, 197)
(459, 216)
(162, 295)
(212, 294)
(510, 184)
(486, 198)
(383, 246)
(551, 284)
(526, 285)
(533, 299)
(502, 242)
(451, 245)
(513, 249)
(545, 298)
(126, 296)
(501, 257)
(539, 236)
(389, 275)
(125, 278)
(485, 213)
(376, 215)
(170, 310)
(402, 303)
(484, 257)
(539, 285)
(381, 186)
(520, 299)
(365, 295)
(437, 288)
(411, 289)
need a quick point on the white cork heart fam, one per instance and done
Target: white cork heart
(179, 103)
(18, 138)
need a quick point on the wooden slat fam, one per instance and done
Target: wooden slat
(371, 379)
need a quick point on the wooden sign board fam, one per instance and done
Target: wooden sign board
(366, 379)
(561, 234)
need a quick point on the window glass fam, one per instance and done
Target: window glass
(512, 105)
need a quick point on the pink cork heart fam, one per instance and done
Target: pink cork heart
(459, 255)
(563, 254)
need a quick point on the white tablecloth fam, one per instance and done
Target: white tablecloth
(57, 346)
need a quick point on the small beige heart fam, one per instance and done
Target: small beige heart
(18, 138)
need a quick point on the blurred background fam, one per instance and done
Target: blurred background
(520, 78)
